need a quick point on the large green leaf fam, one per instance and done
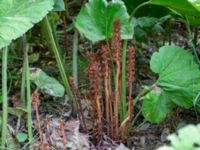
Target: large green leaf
(189, 8)
(195, 3)
(187, 138)
(18, 16)
(182, 6)
(178, 82)
(95, 20)
(46, 83)
(179, 74)
(149, 10)
(156, 105)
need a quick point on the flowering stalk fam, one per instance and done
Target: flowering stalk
(116, 41)
(106, 72)
(95, 89)
(130, 77)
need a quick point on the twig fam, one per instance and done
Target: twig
(48, 118)
(62, 127)
(35, 101)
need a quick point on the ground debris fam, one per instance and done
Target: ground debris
(53, 136)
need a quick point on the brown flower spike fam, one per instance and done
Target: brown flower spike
(117, 49)
(94, 74)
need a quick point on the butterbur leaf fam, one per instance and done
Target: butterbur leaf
(179, 82)
(149, 10)
(179, 140)
(59, 5)
(195, 3)
(18, 16)
(179, 74)
(189, 8)
(184, 7)
(185, 139)
(46, 83)
(95, 20)
(156, 105)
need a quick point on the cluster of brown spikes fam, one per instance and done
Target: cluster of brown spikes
(117, 49)
(116, 42)
(95, 80)
(104, 98)
(130, 73)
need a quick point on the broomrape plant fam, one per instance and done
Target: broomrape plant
(179, 74)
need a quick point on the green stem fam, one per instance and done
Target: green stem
(66, 8)
(75, 58)
(53, 27)
(4, 96)
(141, 94)
(136, 117)
(169, 32)
(191, 37)
(29, 99)
(155, 41)
(196, 36)
(52, 44)
(123, 111)
(23, 87)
